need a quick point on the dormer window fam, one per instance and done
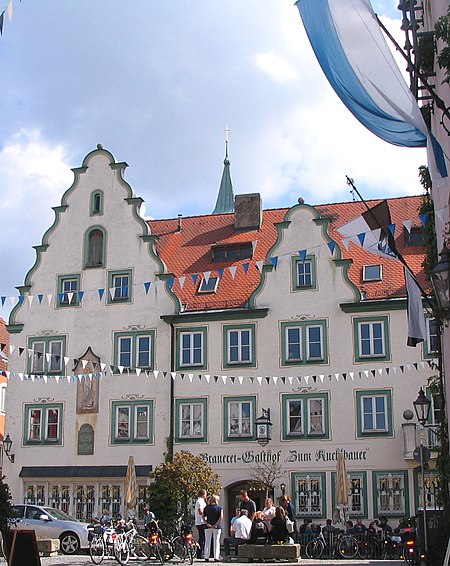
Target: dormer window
(371, 273)
(232, 252)
(414, 237)
(208, 286)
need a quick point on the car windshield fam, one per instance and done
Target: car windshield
(58, 514)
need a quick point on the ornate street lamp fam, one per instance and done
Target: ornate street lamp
(263, 428)
(7, 445)
(422, 407)
(440, 278)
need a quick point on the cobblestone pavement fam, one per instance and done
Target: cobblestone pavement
(85, 561)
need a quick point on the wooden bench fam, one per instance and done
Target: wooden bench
(249, 552)
(47, 546)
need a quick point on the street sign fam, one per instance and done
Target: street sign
(421, 454)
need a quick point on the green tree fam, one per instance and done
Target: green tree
(265, 475)
(442, 29)
(177, 483)
(5, 505)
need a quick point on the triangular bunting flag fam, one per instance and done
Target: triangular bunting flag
(259, 265)
(232, 270)
(302, 254)
(361, 238)
(274, 262)
(331, 247)
(181, 281)
(101, 292)
(407, 224)
(245, 267)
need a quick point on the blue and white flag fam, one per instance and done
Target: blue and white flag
(359, 65)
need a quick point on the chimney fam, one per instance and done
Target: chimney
(180, 223)
(247, 212)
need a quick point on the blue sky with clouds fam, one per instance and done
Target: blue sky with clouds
(156, 82)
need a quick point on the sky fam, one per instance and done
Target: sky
(157, 82)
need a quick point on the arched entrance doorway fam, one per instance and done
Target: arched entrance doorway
(232, 500)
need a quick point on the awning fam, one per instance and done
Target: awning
(81, 471)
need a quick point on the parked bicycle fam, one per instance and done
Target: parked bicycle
(331, 545)
(121, 543)
(380, 545)
(184, 545)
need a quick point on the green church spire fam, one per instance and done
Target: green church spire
(225, 198)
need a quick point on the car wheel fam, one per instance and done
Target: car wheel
(69, 543)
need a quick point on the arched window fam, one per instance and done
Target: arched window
(97, 202)
(95, 248)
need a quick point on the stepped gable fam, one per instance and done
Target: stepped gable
(185, 247)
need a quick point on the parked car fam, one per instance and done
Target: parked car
(52, 523)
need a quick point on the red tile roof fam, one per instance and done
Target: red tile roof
(188, 252)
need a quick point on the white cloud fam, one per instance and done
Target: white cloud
(275, 67)
(32, 172)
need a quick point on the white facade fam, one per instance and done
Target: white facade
(334, 370)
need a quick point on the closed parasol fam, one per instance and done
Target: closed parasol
(341, 504)
(130, 488)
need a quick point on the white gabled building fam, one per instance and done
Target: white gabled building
(137, 336)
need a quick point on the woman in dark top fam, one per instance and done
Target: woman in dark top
(278, 529)
(213, 515)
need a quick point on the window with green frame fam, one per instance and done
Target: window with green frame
(371, 336)
(68, 290)
(304, 342)
(132, 422)
(357, 493)
(95, 247)
(431, 344)
(390, 493)
(120, 286)
(191, 347)
(239, 418)
(134, 349)
(310, 494)
(47, 354)
(96, 205)
(305, 416)
(374, 413)
(43, 424)
(304, 273)
(239, 345)
(191, 419)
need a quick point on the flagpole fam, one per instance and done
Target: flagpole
(399, 256)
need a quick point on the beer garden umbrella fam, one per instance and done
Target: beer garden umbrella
(341, 502)
(130, 488)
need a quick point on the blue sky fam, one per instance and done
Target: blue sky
(156, 82)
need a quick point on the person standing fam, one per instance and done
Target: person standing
(200, 505)
(241, 529)
(247, 503)
(213, 516)
(285, 502)
(268, 511)
(278, 529)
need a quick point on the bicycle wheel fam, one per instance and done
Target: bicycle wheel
(314, 548)
(179, 548)
(140, 548)
(121, 550)
(364, 549)
(395, 550)
(348, 547)
(192, 552)
(97, 549)
(166, 549)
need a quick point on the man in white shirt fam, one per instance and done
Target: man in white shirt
(200, 504)
(241, 530)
